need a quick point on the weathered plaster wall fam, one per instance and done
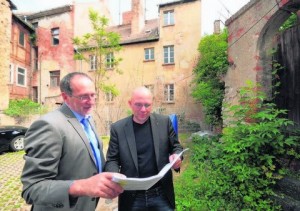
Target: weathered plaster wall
(54, 57)
(252, 38)
(5, 35)
(82, 23)
(20, 57)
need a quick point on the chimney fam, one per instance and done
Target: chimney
(138, 16)
(217, 26)
(127, 17)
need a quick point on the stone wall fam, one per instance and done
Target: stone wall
(253, 34)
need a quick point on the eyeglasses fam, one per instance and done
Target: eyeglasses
(140, 105)
(85, 97)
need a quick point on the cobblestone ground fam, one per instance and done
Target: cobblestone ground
(11, 165)
(10, 184)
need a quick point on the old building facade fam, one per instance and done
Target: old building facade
(5, 37)
(159, 53)
(15, 62)
(21, 72)
(54, 50)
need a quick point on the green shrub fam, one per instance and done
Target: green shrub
(237, 170)
(23, 108)
(208, 88)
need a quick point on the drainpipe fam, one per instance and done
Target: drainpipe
(40, 78)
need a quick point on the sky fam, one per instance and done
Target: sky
(211, 9)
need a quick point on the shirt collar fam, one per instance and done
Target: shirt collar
(78, 116)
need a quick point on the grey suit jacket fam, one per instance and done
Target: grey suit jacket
(57, 152)
(122, 153)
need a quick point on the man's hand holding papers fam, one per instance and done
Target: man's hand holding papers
(148, 182)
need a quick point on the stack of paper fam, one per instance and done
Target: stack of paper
(145, 183)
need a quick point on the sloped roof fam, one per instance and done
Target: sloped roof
(149, 33)
(49, 12)
(22, 22)
(174, 2)
(12, 5)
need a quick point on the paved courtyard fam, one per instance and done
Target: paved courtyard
(11, 165)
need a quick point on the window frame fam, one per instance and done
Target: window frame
(150, 87)
(21, 38)
(109, 60)
(11, 74)
(35, 25)
(109, 97)
(23, 75)
(54, 78)
(93, 62)
(149, 54)
(169, 17)
(55, 36)
(169, 54)
(35, 58)
(169, 93)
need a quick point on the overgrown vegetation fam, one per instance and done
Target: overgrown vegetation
(290, 22)
(237, 170)
(22, 108)
(208, 85)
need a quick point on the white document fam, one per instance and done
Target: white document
(145, 183)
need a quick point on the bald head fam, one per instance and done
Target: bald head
(141, 104)
(141, 92)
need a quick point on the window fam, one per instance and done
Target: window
(11, 73)
(21, 76)
(169, 93)
(150, 87)
(109, 60)
(107, 126)
(36, 58)
(169, 17)
(109, 97)
(149, 54)
(35, 24)
(35, 97)
(169, 54)
(54, 78)
(55, 36)
(93, 62)
(22, 38)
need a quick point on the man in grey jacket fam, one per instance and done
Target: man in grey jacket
(61, 169)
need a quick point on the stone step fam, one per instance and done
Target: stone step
(290, 187)
(287, 203)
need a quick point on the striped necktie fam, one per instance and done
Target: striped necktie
(93, 141)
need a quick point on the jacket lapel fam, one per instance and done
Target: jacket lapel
(78, 128)
(155, 128)
(129, 134)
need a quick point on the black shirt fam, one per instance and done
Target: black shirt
(145, 149)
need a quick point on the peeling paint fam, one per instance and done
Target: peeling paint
(258, 68)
